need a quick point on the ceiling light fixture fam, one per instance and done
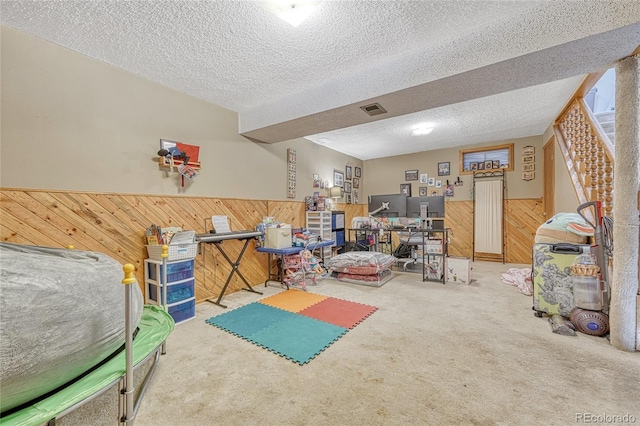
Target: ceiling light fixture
(294, 12)
(422, 130)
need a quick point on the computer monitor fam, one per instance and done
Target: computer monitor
(434, 206)
(397, 205)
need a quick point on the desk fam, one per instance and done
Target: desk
(218, 239)
(278, 275)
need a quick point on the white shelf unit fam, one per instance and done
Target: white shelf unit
(319, 222)
(181, 301)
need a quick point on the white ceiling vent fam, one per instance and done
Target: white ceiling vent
(373, 109)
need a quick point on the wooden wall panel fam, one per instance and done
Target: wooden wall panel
(114, 224)
(522, 218)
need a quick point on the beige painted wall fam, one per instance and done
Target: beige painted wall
(70, 122)
(384, 175)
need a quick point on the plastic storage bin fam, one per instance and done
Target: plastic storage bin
(176, 271)
(176, 251)
(176, 292)
(184, 311)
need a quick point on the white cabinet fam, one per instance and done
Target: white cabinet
(181, 301)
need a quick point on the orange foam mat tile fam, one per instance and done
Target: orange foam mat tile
(293, 300)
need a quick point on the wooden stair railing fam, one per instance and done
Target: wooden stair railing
(588, 153)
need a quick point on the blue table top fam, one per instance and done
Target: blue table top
(295, 250)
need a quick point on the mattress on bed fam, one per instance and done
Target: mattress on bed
(61, 312)
(360, 262)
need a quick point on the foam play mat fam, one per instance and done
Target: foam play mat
(294, 324)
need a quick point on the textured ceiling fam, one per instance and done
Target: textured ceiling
(477, 70)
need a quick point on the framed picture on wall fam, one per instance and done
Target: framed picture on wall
(356, 182)
(528, 158)
(348, 198)
(338, 178)
(496, 164)
(431, 181)
(488, 165)
(528, 150)
(347, 187)
(357, 172)
(423, 191)
(405, 188)
(443, 168)
(347, 171)
(411, 175)
(473, 165)
(528, 167)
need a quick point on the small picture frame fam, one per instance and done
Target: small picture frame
(496, 164)
(423, 191)
(405, 188)
(435, 192)
(528, 158)
(438, 184)
(338, 178)
(443, 168)
(411, 175)
(480, 165)
(528, 150)
(347, 187)
(356, 182)
(473, 165)
(348, 198)
(347, 172)
(528, 167)
(431, 181)
(357, 172)
(488, 165)
(355, 196)
(423, 178)
(528, 175)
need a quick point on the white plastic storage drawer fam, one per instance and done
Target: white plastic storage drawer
(176, 271)
(176, 292)
(184, 311)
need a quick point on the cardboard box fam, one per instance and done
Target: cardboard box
(277, 237)
(459, 270)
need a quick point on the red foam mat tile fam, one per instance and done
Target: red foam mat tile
(339, 312)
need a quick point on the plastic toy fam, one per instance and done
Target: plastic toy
(312, 262)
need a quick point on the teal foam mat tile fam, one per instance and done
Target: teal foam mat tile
(298, 338)
(249, 319)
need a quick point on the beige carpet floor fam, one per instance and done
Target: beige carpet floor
(432, 354)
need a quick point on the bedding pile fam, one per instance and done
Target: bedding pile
(362, 267)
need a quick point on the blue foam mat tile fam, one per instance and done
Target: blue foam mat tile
(298, 338)
(249, 319)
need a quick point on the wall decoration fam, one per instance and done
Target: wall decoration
(423, 178)
(438, 184)
(291, 166)
(357, 172)
(528, 175)
(528, 167)
(423, 191)
(431, 182)
(528, 150)
(488, 165)
(480, 165)
(443, 169)
(448, 190)
(496, 164)
(473, 165)
(405, 188)
(356, 182)
(316, 181)
(347, 172)
(435, 192)
(348, 198)
(411, 175)
(528, 158)
(355, 196)
(338, 178)
(347, 187)
(528, 162)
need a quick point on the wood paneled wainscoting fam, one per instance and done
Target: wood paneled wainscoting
(114, 224)
(522, 218)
